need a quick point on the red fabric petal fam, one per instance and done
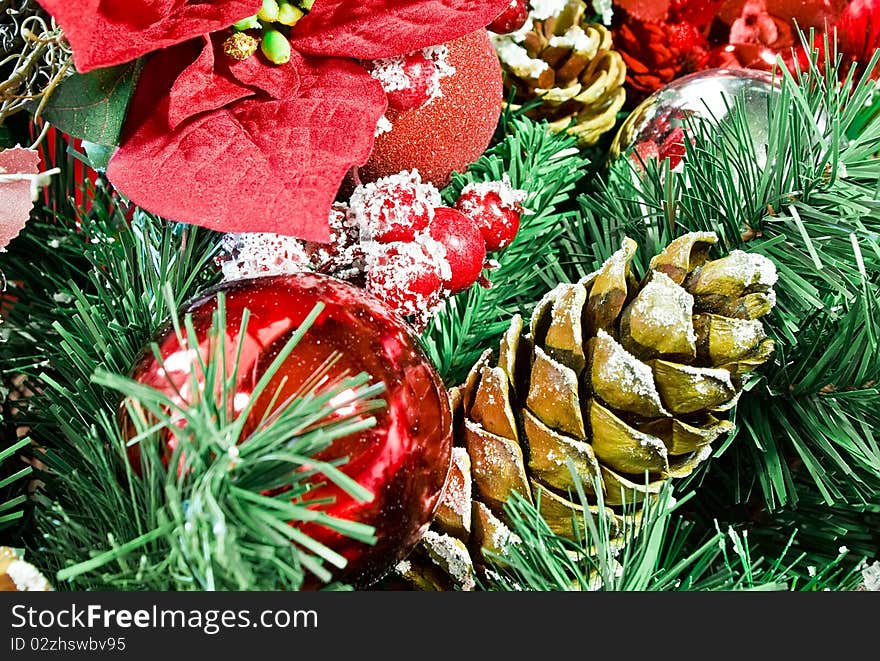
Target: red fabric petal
(16, 199)
(107, 32)
(199, 88)
(372, 29)
(256, 165)
(278, 81)
(213, 80)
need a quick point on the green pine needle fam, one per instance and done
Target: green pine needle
(14, 472)
(547, 166)
(814, 211)
(659, 551)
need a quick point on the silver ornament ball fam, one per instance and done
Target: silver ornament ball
(657, 123)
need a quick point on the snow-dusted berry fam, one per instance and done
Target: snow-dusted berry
(341, 252)
(409, 81)
(496, 208)
(251, 254)
(413, 80)
(512, 18)
(393, 208)
(343, 255)
(465, 247)
(406, 276)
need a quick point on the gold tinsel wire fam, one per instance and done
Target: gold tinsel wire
(34, 58)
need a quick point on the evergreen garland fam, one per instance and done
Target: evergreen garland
(790, 501)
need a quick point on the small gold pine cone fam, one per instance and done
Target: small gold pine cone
(623, 377)
(569, 64)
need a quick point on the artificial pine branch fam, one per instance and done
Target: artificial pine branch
(203, 518)
(812, 209)
(14, 472)
(547, 166)
(660, 551)
(88, 290)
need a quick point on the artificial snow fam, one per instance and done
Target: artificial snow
(252, 254)
(576, 39)
(871, 577)
(510, 197)
(627, 373)
(375, 206)
(745, 334)
(458, 562)
(26, 577)
(675, 311)
(391, 72)
(544, 9)
(752, 268)
(517, 58)
(383, 126)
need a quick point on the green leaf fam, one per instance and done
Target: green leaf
(92, 106)
(94, 155)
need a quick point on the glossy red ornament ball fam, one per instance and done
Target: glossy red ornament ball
(403, 460)
(452, 131)
(465, 247)
(496, 210)
(512, 18)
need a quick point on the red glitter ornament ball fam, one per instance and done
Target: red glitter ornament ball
(454, 129)
(403, 460)
(465, 247)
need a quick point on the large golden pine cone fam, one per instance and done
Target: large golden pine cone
(624, 377)
(568, 64)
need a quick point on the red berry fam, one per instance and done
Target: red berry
(409, 81)
(465, 246)
(495, 208)
(393, 208)
(512, 18)
(405, 277)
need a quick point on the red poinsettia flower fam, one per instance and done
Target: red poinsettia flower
(655, 54)
(858, 34)
(248, 145)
